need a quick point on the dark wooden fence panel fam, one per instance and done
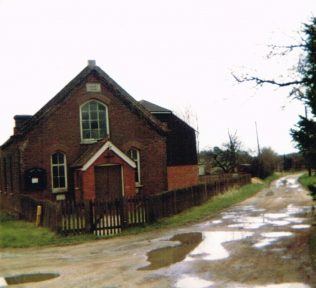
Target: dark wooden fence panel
(111, 217)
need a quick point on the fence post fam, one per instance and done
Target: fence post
(151, 217)
(88, 215)
(174, 202)
(58, 217)
(124, 212)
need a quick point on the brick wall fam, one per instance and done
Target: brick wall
(61, 132)
(182, 176)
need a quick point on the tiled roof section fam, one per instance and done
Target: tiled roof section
(105, 79)
(90, 150)
(153, 108)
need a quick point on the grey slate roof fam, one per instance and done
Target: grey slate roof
(153, 108)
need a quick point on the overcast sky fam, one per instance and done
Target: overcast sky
(178, 54)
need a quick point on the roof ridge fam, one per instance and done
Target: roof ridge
(114, 87)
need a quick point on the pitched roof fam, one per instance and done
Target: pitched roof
(153, 108)
(95, 151)
(105, 79)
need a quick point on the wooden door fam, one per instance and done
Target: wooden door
(108, 182)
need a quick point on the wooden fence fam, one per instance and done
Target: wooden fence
(25, 208)
(173, 202)
(103, 218)
(108, 218)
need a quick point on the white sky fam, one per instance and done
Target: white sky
(178, 54)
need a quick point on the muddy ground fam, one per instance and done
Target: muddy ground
(262, 242)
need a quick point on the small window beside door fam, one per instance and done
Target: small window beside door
(59, 172)
(134, 154)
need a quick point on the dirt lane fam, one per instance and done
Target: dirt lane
(261, 242)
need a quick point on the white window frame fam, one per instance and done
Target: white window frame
(59, 189)
(136, 159)
(92, 140)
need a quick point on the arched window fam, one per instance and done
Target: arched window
(94, 121)
(134, 154)
(59, 172)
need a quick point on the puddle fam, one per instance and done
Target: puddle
(275, 219)
(291, 183)
(295, 220)
(278, 222)
(229, 216)
(301, 226)
(285, 285)
(276, 234)
(28, 278)
(217, 221)
(166, 256)
(280, 183)
(211, 247)
(270, 238)
(189, 282)
(249, 222)
(265, 242)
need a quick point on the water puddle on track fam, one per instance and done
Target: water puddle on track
(284, 285)
(30, 278)
(166, 256)
(211, 248)
(194, 246)
(187, 281)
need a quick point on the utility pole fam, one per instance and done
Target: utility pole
(259, 168)
(258, 145)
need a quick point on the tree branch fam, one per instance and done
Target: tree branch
(283, 50)
(260, 82)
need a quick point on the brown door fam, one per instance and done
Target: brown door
(108, 182)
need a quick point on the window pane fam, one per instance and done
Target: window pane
(55, 158)
(85, 125)
(133, 154)
(85, 115)
(95, 134)
(85, 109)
(55, 171)
(61, 171)
(62, 182)
(93, 106)
(102, 124)
(94, 125)
(60, 158)
(136, 174)
(55, 182)
(102, 133)
(94, 115)
(101, 108)
(102, 116)
(86, 134)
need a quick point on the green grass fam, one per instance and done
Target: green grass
(309, 182)
(306, 180)
(207, 209)
(17, 234)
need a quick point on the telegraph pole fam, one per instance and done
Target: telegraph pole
(258, 145)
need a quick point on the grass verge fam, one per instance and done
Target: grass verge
(207, 209)
(309, 182)
(17, 234)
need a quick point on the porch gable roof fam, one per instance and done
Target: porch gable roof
(88, 158)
